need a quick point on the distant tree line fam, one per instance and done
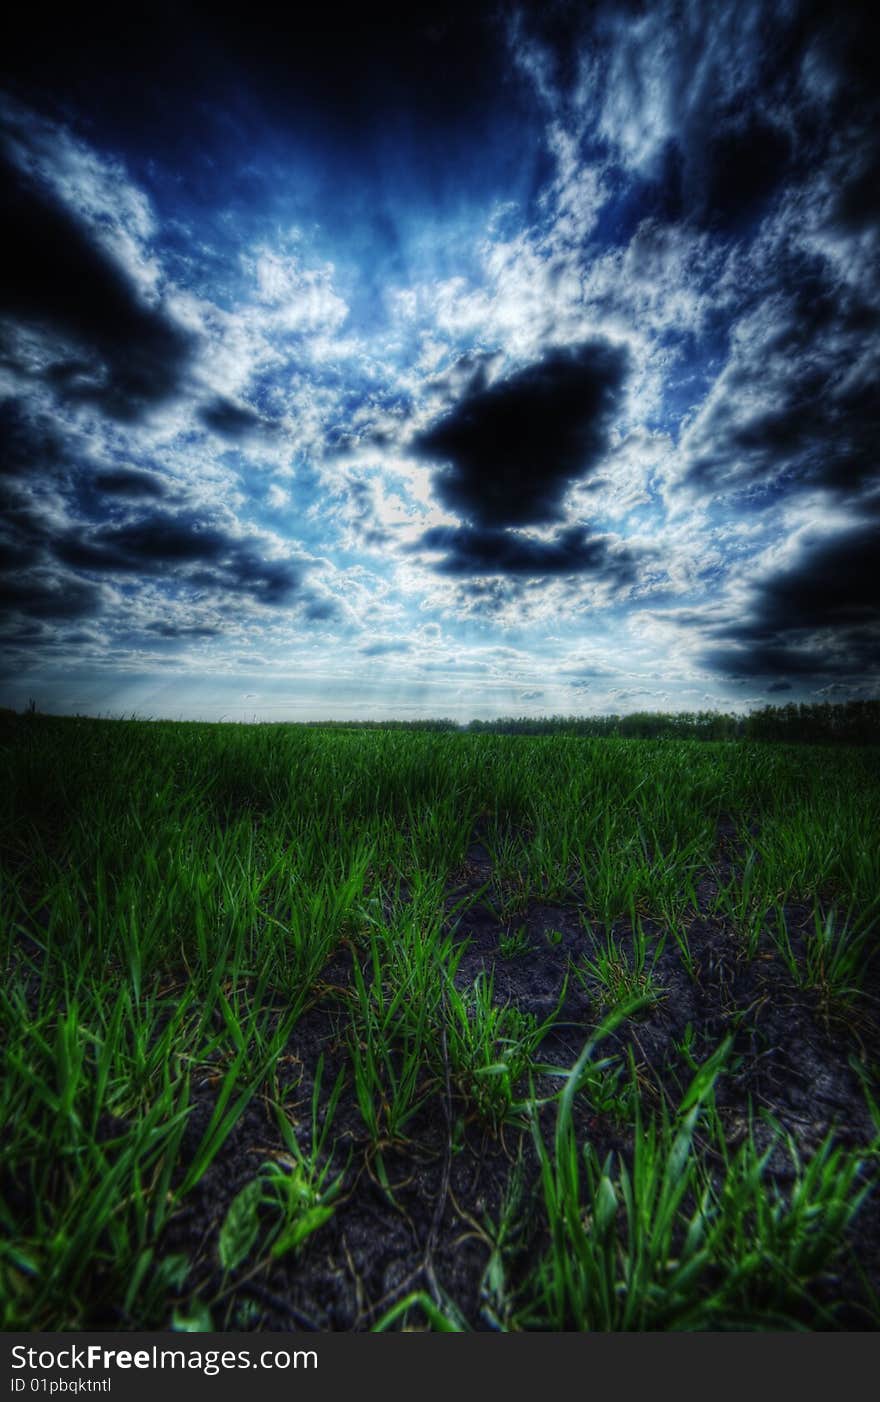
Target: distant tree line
(643, 725)
(847, 722)
(850, 722)
(429, 724)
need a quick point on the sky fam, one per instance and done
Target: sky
(502, 360)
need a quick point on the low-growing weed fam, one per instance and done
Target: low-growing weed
(617, 977)
(514, 942)
(834, 960)
(490, 1047)
(292, 1195)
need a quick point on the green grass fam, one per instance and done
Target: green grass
(620, 977)
(175, 895)
(675, 1241)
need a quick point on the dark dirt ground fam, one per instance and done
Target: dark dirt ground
(789, 1058)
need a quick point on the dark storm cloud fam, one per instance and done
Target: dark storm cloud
(746, 122)
(43, 553)
(835, 582)
(169, 545)
(128, 482)
(857, 203)
(24, 528)
(798, 406)
(175, 631)
(755, 659)
(46, 595)
(16, 554)
(470, 551)
(512, 450)
(819, 615)
(236, 421)
(30, 445)
(717, 107)
(737, 172)
(247, 571)
(121, 354)
(152, 543)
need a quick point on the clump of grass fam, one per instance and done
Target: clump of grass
(490, 1048)
(511, 881)
(668, 1242)
(618, 978)
(291, 1196)
(388, 1046)
(836, 954)
(514, 942)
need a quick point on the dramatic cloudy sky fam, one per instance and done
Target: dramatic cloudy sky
(511, 359)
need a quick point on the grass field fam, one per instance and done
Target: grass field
(388, 1029)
